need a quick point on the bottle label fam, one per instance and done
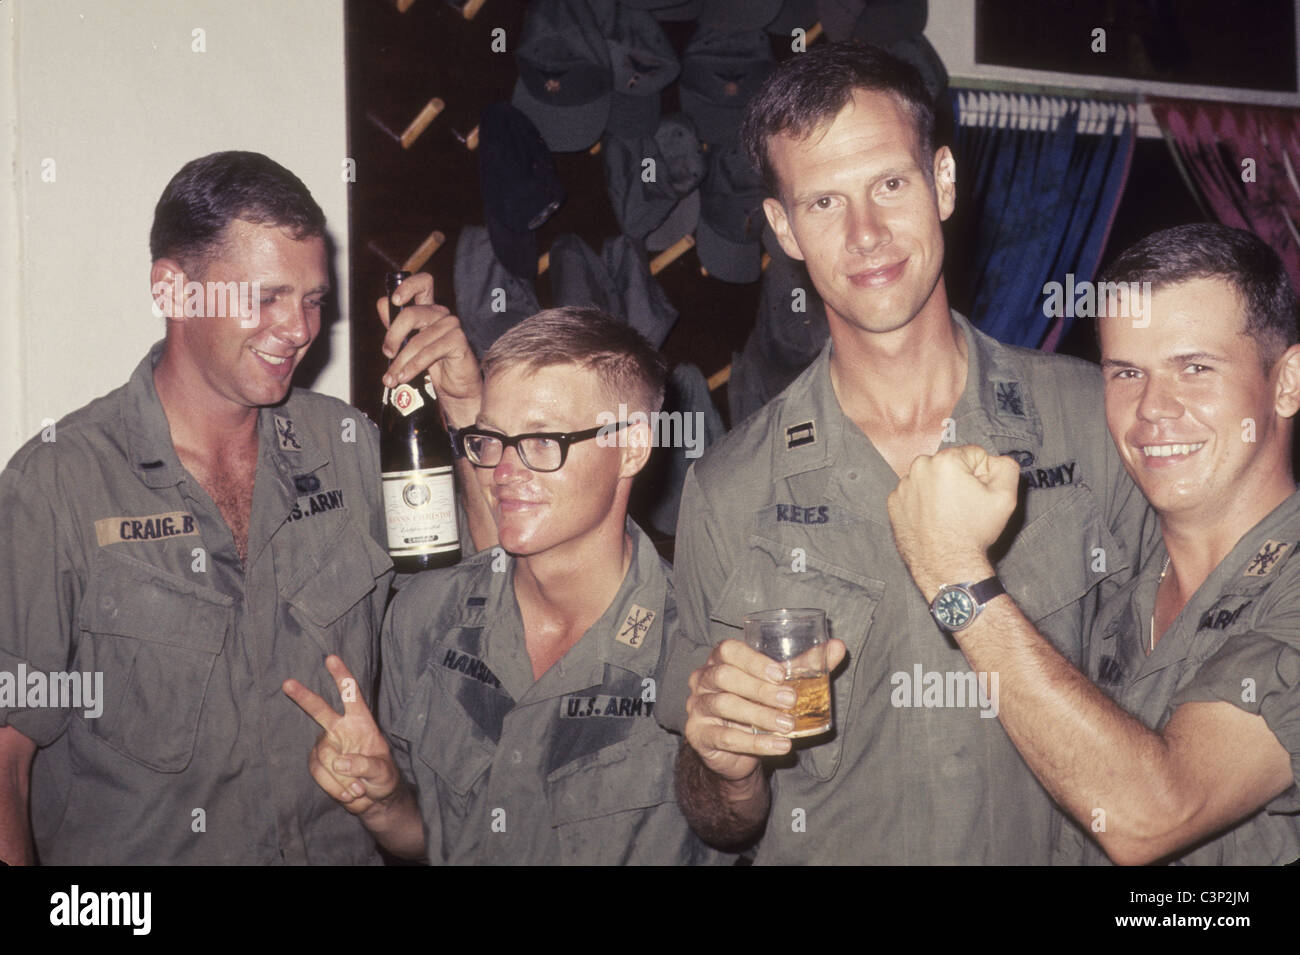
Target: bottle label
(421, 511)
(406, 399)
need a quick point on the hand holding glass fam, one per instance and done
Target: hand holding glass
(796, 639)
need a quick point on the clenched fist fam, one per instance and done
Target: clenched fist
(948, 512)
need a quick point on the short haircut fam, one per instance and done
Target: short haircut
(1207, 250)
(190, 220)
(811, 88)
(628, 367)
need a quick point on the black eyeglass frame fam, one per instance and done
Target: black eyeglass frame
(564, 439)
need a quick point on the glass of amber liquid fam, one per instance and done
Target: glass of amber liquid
(796, 639)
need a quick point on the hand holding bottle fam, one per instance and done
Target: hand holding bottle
(437, 345)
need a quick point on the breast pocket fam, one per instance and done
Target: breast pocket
(769, 578)
(155, 638)
(327, 594)
(1055, 568)
(450, 755)
(616, 806)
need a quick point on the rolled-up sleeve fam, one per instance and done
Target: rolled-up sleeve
(1259, 673)
(39, 594)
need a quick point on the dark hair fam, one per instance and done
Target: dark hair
(1209, 250)
(811, 88)
(627, 365)
(210, 192)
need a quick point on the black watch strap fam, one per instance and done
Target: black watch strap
(986, 590)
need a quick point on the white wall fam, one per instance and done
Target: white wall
(113, 92)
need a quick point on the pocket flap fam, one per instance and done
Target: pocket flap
(1073, 533)
(338, 578)
(447, 741)
(130, 598)
(765, 580)
(631, 774)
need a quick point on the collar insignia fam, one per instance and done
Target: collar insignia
(798, 435)
(285, 434)
(1266, 558)
(636, 626)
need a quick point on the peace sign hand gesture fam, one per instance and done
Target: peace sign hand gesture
(351, 760)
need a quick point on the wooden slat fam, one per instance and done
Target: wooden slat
(421, 255)
(422, 121)
(670, 255)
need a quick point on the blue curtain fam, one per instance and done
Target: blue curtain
(1045, 177)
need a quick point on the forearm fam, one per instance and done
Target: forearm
(16, 752)
(1110, 772)
(396, 823)
(482, 528)
(1142, 794)
(727, 815)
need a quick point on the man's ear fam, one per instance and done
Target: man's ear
(1287, 400)
(167, 288)
(780, 224)
(945, 181)
(636, 450)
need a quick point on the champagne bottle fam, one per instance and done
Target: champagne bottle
(416, 461)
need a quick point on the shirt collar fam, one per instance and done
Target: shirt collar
(995, 403)
(149, 436)
(149, 440)
(628, 635)
(1251, 565)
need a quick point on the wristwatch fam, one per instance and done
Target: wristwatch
(956, 606)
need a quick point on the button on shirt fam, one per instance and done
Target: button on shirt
(1236, 641)
(570, 768)
(790, 511)
(118, 572)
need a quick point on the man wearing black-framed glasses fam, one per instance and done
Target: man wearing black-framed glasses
(543, 451)
(519, 688)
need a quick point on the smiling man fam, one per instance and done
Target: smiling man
(154, 540)
(789, 510)
(1187, 749)
(519, 688)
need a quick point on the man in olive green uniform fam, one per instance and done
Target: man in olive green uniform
(569, 768)
(1188, 747)
(789, 511)
(178, 547)
(139, 580)
(519, 689)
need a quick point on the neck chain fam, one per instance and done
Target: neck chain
(1163, 570)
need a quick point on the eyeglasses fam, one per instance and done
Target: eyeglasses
(539, 450)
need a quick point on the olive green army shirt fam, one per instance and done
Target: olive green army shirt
(571, 768)
(1237, 641)
(789, 510)
(145, 661)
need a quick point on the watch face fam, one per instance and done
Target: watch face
(954, 609)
